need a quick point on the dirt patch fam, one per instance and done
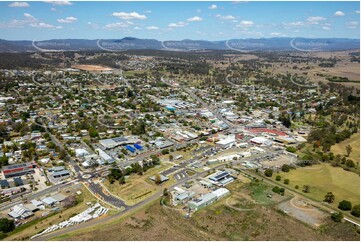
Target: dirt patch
(92, 68)
(301, 210)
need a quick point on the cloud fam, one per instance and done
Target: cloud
(357, 11)
(118, 25)
(137, 28)
(245, 23)
(275, 34)
(42, 25)
(294, 24)
(67, 20)
(30, 17)
(53, 9)
(326, 28)
(152, 28)
(93, 25)
(352, 25)
(60, 3)
(126, 16)
(19, 5)
(315, 19)
(177, 25)
(339, 14)
(195, 19)
(225, 17)
(213, 6)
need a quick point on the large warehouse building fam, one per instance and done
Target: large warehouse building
(19, 169)
(115, 142)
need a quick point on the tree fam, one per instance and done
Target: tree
(356, 211)
(296, 187)
(348, 150)
(337, 217)
(306, 188)
(170, 157)
(329, 197)
(345, 205)
(122, 180)
(268, 172)
(285, 168)
(6, 225)
(286, 181)
(278, 178)
(165, 192)
(69, 202)
(349, 163)
(291, 149)
(157, 179)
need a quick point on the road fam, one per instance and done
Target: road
(127, 210)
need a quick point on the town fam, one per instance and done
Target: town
(104, 141)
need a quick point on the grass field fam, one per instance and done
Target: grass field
(324, 178)
(215, 222)
(354, 141)
(137, 188)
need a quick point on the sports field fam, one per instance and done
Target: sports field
(325, 178)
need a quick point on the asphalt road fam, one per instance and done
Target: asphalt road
(126, 211)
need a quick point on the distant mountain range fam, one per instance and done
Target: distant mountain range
(242, 45)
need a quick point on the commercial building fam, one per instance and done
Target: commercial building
(19, 211)
(202, 202)
(184, 197)
(104, 157)
(208, 198)
(261, 141)
(118, 141)
(19, 169)
(220, 178)
(229, 141)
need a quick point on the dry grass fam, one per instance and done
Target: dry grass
(323, 178)
(354, 141)
(215, 222)
(92, 68)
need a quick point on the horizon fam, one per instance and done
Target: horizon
(222, 40)
(191, 20)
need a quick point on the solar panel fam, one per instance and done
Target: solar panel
(18, 181)
(119, 139)
(4, 183)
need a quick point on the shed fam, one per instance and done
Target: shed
(49, 201)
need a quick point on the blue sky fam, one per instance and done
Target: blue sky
(178, 20)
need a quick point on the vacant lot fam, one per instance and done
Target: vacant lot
(354, 141)
(137, 188)
(324, 178)
(132, 192)
(92, 68)
(216, 222)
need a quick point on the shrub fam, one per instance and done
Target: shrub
(337, 217)
(345, 205)
(268, 172)
(356, 210)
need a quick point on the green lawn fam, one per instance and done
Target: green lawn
(324, 178)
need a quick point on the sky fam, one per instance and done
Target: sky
(178, 20)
